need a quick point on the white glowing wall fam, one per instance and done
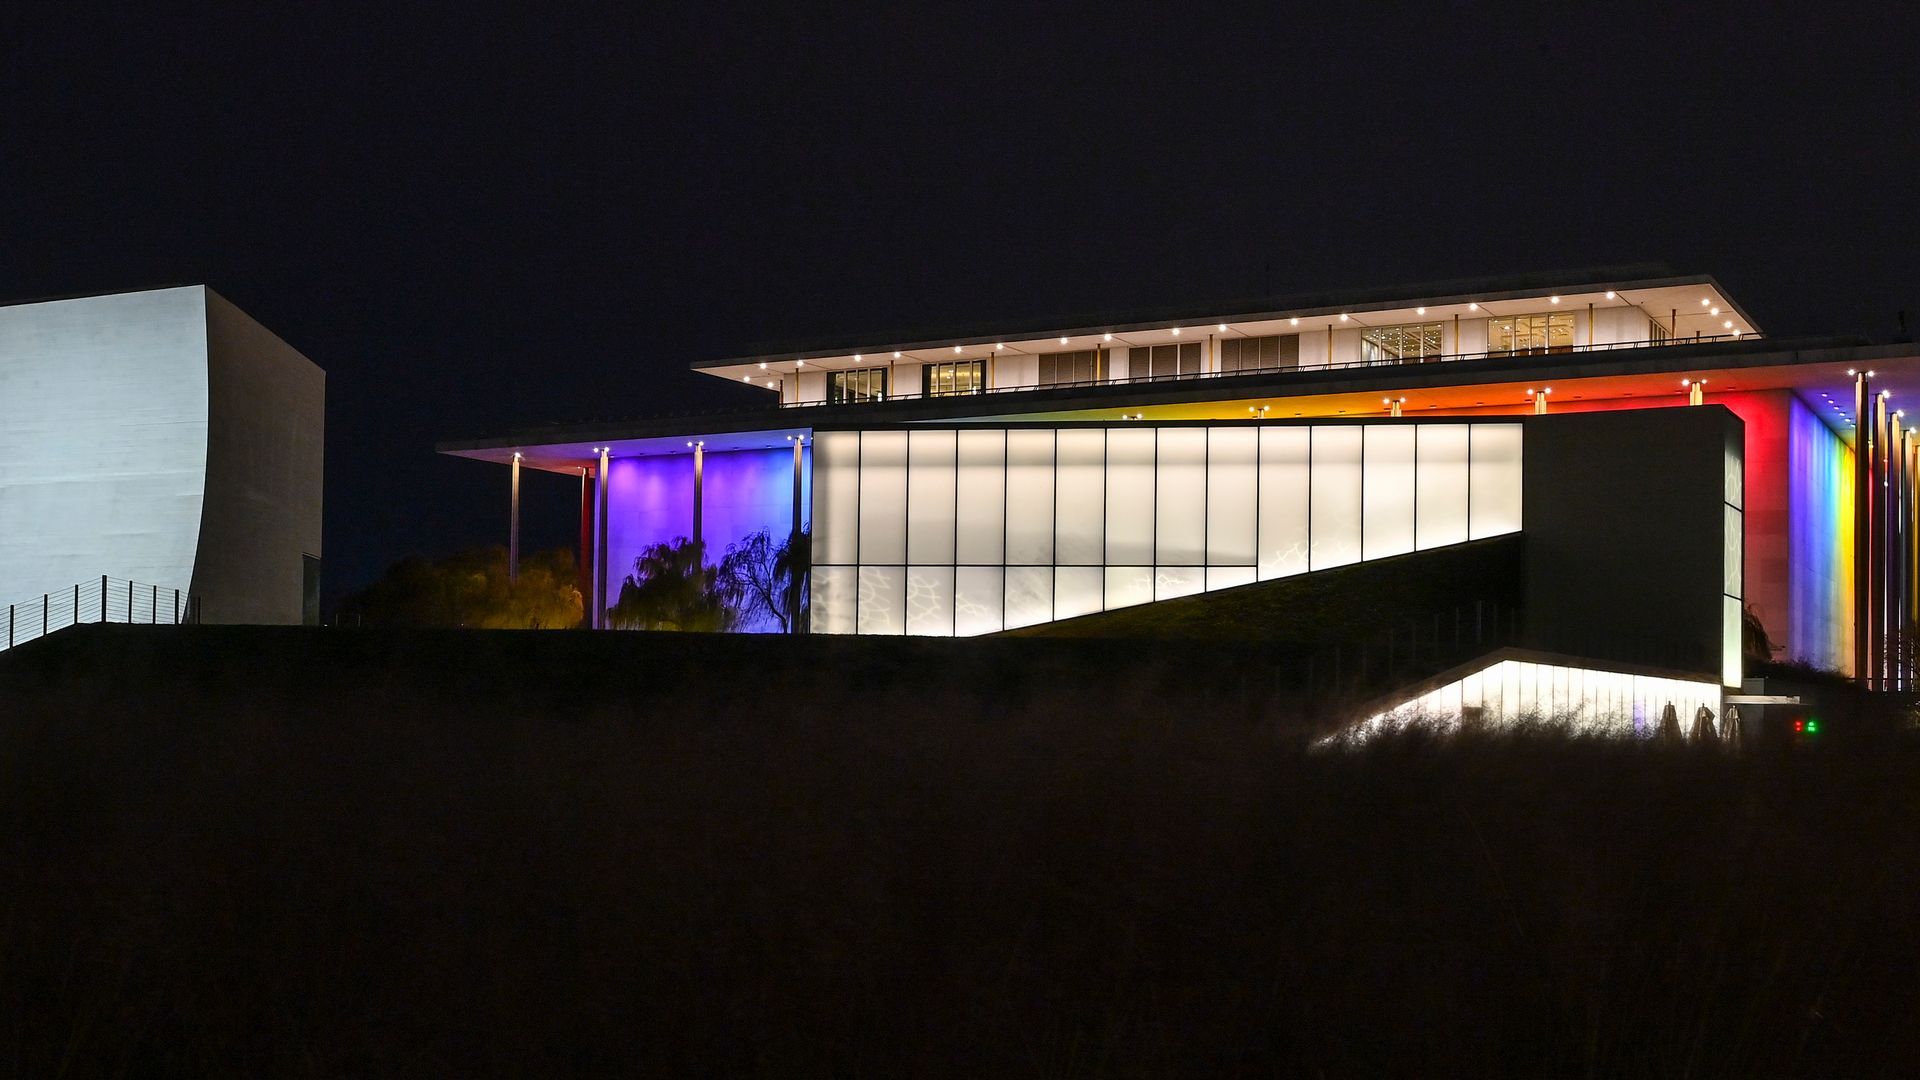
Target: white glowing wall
(162, 437)
(942, 532)
(1509, 691)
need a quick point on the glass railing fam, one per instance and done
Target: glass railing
(1295, 368)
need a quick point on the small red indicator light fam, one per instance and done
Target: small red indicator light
(1799, 725)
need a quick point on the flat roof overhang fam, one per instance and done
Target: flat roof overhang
(1816, 369)
(1694, 303)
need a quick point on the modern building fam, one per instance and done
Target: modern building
(1668, 465)
(159, 451)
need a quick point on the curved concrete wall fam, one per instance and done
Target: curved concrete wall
(162, 437)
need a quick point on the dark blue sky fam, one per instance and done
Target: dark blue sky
(483, 220)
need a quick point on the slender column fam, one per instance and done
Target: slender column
(583, 565)
(1877, 523)
(1862, 529)
(600, 544)
(699, 491)
(793, 541)
(513, 524)
(1896, 545)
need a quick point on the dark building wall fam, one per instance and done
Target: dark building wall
(1624, 515)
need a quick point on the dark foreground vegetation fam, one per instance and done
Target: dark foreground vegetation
(338, 853)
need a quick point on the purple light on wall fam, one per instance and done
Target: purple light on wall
(650, 501)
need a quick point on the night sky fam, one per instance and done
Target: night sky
(476, 222)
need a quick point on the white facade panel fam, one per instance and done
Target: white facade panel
(1441, 485)
(1233, 494)
(930, 496)
(1180, 503)
(981, 529)
(1127, 586)
(979, 593)
(883, 498)
(883, 599)
(1080, 498)
(1078, 590)
(1030, 479)
(1334, 522)
(1029, 595)
(1495, 476)
(1387, 491)
(834, 599)
(930, 600)
(836, 498)
(1175, 581)
(1130, 496)
(1285, 463)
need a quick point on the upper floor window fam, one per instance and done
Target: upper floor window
(1391, 344)
(1260, 353)
(1531, 333)
(1062, 368)
(957, 377)
(865, 384)
(1163, 361)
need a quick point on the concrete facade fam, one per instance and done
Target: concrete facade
(162, 437)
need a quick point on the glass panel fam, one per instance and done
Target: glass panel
(1130, 496)
(836, 498)
(1030, 497)
(1029, 595)
(930, 601)
(1172, 581)
(930, 496)
(883, 599)
(1076, 590)
(1387, 491)
(1335, 515)
(1181, 503)
(1080, 497)
(1494, 472)
(977, 595)
(1232, 495)
(833, 593)
(1128, 586)
(883, 499)
(1226, 577)
(980, 531)
(1284, 484)
(1440, 506)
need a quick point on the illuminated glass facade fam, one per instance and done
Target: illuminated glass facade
(961, 531)
(1512, 690)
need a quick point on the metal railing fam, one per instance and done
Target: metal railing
(97, 600)
(1291, 369)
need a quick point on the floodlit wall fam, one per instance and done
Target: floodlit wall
(161, 437)
(960, 531)
(1510, 691)
(1819, 466)
(650, 501)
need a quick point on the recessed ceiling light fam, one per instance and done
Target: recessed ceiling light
(956, 348)
(1555, 299)
(1473, 307)
(1343, 316)
(1703, 301)
(803, 363)
(763, 365)
(896, 356)
(1223, 328)
(1715, 311)
(1609, 294)
(1176, 331)
(1294, 321)
(1419, 311)
(1106, 337)
(1063, 341)
(1728, 324)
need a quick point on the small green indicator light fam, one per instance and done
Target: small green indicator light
(1813, 726)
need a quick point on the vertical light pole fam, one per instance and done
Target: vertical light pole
(1862, 527)
(513, 524)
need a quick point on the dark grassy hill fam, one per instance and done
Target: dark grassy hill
(1346, 604)
(242, 853)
